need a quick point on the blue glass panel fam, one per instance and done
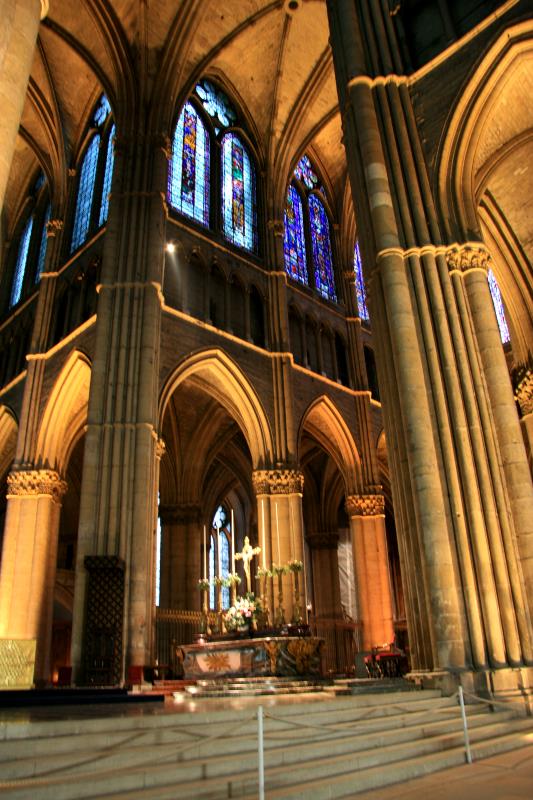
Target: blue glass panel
(224, 565)
(305, 172)
(321, 245)
(238, 194)
(212, 574)
(85, 194)
(102, 112)
(360, 283)
(108, 177)
(216, 104)
(42, 246)
(294, 237)
(39, 182)
(498, 307)
(20, 266)
(188, 176)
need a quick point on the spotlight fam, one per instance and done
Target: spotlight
(170, 247)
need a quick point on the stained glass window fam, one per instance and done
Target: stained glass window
(20, 266)
(294, 237)
(224, 565)
(103, 110)
(216, 104)
(305, 172)
(42, 246)
(321, 245)
(360, 283)
(188, 177)
(238, 194)
(108, 177)
(212, 574)
(85, 194)
(498, 307)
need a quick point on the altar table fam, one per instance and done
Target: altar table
(284, 656)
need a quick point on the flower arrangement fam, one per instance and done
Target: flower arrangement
(245, 610)
(295, 566)
(204, 584)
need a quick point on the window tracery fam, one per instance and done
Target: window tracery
(360, 290)
(219, 556)
(498, 307)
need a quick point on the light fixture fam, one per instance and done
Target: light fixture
(170, 247)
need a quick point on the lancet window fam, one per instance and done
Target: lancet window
(27, 253)
(95, 173)
(212, 174)
(307, 232)
(498, 307)
(360, 290)
(219, 556)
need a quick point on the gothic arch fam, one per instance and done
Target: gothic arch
(8, 439)
(65, 413)
(456, 174)
(219, 376)
(325, 423)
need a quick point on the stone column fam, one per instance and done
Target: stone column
(18, 33)
(279, 513)
(326, 581)
(180, 556)
(371, 568)
(29, 561)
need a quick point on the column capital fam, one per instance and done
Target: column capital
(524, 393)
(53, 227)
(160, 448)
(365, 505)
(466, 257)
(278, 481)
(277, 226)
(33, 482)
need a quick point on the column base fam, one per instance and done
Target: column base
(511, 683)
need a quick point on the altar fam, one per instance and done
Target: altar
(282, 656)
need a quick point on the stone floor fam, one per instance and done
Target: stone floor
(508, 776)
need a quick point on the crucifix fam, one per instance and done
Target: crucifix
(247, 553)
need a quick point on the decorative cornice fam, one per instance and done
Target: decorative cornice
(33, 482)
(278, 481)
(463, 258)
(524, 393)
(365, 505)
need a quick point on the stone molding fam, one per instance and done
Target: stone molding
(32, 482)
(463, 258)
(160, 448)
(365, 505)
(45, 5)
(524, 393)
(278, 481)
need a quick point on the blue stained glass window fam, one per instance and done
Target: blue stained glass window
(238, 194)
(20, 266)
(224, 565)
(321, 245)
(216, 104)
(108, 177)
(188, 176)
(360, 290)
(42, 246)
(103, 110)
(85, 194)
(294, 237)
(498, 307)
(212, 573)
(305, 172)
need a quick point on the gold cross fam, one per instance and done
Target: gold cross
(247, 553)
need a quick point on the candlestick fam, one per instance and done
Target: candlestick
(205, 554)
(219, 568)
(264, 532)
(232, 544)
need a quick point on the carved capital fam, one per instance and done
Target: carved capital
(33, 482)
(365, 505)
(277, 226)
(467, 257)
(278, 481)
(524, 393)
(53, 227)
(160, 449)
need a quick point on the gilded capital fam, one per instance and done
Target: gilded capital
(53, 227)
(32, 482)
(463, 258)
(524, 393)
(278, 481)
(365, 505)
(160, 448)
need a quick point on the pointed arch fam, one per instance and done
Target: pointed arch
(218, 375)
(8, 439)
(325, 423)
(65, 413)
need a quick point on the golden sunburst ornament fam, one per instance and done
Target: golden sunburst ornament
(216, 662)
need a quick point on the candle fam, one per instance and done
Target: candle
(263, 531)
(232, 543)
(205, 554)
(219, 568)
(277, 531)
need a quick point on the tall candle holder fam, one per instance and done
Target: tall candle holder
(232, 582)
(204, 586)
(262, 576)
(220, 583)
(295, 567)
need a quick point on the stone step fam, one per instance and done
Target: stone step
(343, 773)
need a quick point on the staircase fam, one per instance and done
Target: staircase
(325, 748)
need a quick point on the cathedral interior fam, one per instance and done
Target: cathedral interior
(266, 271)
